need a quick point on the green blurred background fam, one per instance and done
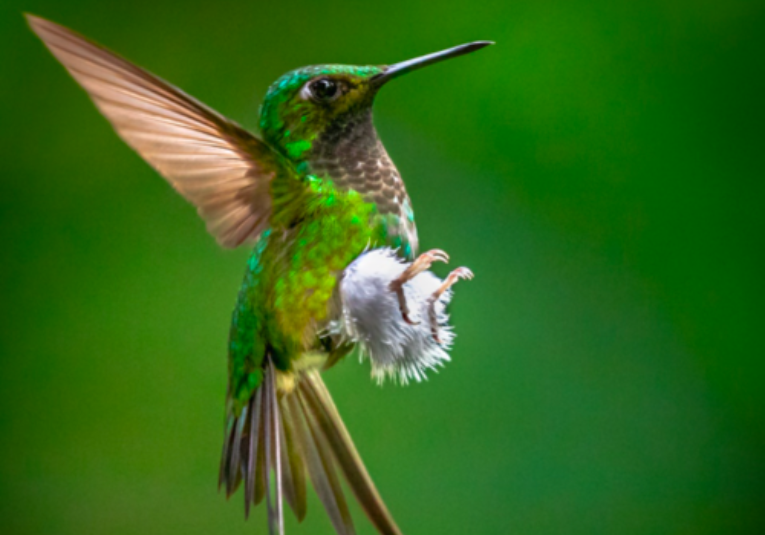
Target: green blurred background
(600, 169)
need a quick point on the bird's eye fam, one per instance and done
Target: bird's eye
(325, 89)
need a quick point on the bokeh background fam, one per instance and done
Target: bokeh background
(600, 169)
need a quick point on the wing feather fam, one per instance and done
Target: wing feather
(222, 169)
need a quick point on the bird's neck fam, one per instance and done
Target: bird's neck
(350, 153)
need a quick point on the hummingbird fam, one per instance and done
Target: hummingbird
(334, 263)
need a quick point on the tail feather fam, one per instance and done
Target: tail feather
(294, 471)
(273, 458)
(234, 473)
(320, 469)
(325, 413)
(252, 449)
(225, 457)
(279, 437)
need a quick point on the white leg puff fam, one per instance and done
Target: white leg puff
(402, 343)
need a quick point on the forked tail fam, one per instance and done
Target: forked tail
(278, 437)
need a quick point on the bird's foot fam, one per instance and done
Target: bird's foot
(422, 263)
(454, 276)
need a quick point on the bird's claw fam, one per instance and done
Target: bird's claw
(454, 276)
(422, 263)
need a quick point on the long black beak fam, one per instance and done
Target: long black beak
(397, 69)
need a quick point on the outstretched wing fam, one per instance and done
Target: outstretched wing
(225, 171)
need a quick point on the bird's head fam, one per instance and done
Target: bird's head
(308, 103)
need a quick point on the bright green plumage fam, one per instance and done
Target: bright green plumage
(290, 279)
(314, 193)
(318, 226)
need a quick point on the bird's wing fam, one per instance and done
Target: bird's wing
(225, 171)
